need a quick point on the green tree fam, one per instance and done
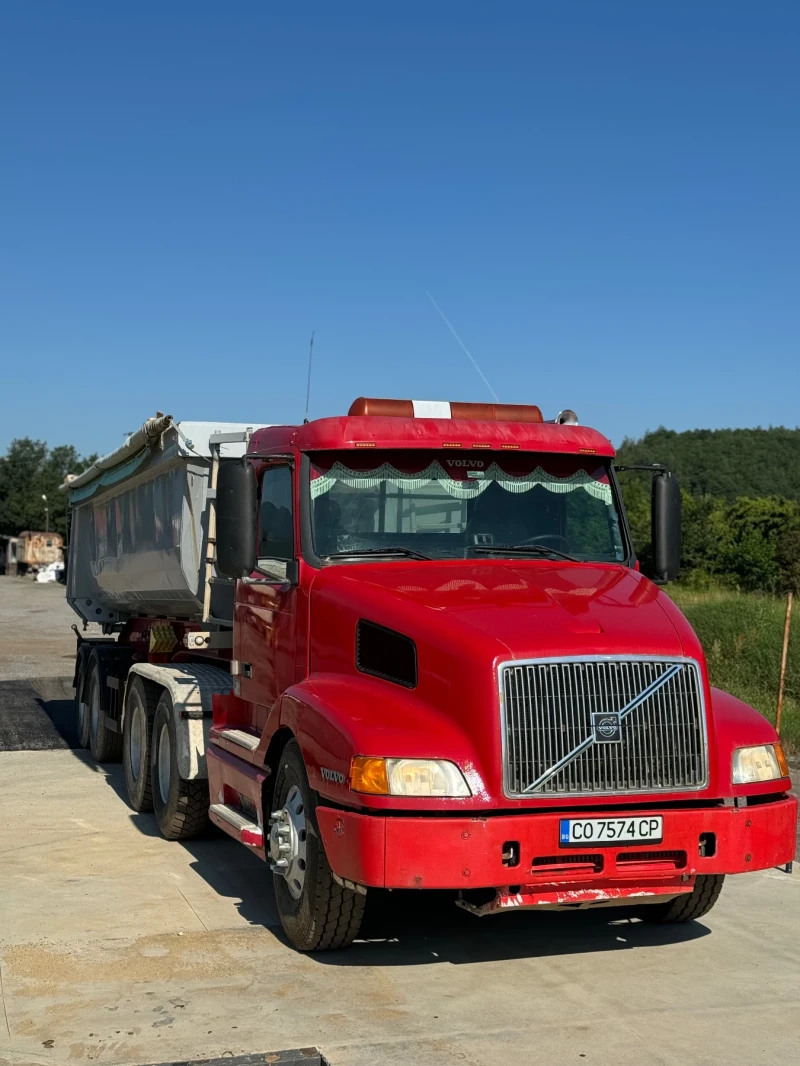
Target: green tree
(29, 471)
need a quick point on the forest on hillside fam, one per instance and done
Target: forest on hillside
(741, 503)
(728, 463)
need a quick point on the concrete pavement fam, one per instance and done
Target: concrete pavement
(117, 946)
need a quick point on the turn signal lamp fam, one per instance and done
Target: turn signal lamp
(407, 777)
(369, 775)
(762, 762)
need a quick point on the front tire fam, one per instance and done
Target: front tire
(316, 912)
(181, 807)
(105, 745)
(686, 908)
(141, 702)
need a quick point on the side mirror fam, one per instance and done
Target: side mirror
(666, 529)
(237, 512)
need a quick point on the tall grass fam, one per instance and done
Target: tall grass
(742, 634)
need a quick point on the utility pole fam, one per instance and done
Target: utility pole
(787, 625)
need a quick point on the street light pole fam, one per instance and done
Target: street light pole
(46, 515)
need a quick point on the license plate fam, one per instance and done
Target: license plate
(578, 832)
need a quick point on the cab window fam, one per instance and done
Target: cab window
(276, 526)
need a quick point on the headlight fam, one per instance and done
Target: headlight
(763, 762)
(407, 777)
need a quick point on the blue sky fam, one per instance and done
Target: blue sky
(602, 197)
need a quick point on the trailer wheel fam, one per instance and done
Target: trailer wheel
(105, 745)
(81, 712)
(316, 912)
(141, 702)
(687, 907)
(181, 807)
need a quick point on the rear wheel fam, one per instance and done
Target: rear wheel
(81, 711)
(181, 807)
(141, 702)
(687, 907)
(105, 745)
(316, 912)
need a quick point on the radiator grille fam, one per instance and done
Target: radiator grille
(549, 739)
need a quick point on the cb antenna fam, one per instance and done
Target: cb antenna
(308, 385)
(463, 347)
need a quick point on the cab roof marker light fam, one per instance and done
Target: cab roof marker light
(370, 407)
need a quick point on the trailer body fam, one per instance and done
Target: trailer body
(138, 533)
(441, 668)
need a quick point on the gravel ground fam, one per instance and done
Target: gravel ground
(35, 636)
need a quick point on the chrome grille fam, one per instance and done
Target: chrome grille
(549, 741)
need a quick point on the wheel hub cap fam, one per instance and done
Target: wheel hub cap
(287, 842)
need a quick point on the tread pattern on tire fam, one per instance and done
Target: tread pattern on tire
(339, 912)
(693, 905)
(191, 817)
(187, 816)
(334, 913)
(108, 746)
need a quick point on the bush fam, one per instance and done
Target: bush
(742, 635)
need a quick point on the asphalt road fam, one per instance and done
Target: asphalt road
(117, 946)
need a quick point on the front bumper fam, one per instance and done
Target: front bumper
(467, 853)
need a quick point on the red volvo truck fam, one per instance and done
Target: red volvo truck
(411, 648)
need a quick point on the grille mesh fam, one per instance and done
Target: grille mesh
(548, 709)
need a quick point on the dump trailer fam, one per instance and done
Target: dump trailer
(411, 647)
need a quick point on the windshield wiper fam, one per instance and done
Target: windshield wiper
(525, 549)
(408, 552)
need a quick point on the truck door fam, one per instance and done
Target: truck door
(265, 611)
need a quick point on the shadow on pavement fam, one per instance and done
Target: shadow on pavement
(414, 928)
(400, 928)
(37, 715)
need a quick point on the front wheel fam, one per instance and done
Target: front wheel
(687, 907)
(181, 807)
(316, 912)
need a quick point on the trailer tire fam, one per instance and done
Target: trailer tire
(326, 915)
(81, 711)
(141, 701)
(105, 745)
(687, 907)
(181, 807)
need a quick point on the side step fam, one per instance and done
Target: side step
(240, 738)
(245, 828)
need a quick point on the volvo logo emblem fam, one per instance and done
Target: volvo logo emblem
(607, 727)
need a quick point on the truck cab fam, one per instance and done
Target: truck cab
(441, 668)
(445, 655)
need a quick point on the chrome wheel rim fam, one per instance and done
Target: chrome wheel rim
(136, 746)
(164, 763)
(287, 842)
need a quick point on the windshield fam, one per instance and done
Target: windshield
(456, 507)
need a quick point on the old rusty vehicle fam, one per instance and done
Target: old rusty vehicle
(36, 550)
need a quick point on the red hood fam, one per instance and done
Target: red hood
(465, 618)
(533, 608)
